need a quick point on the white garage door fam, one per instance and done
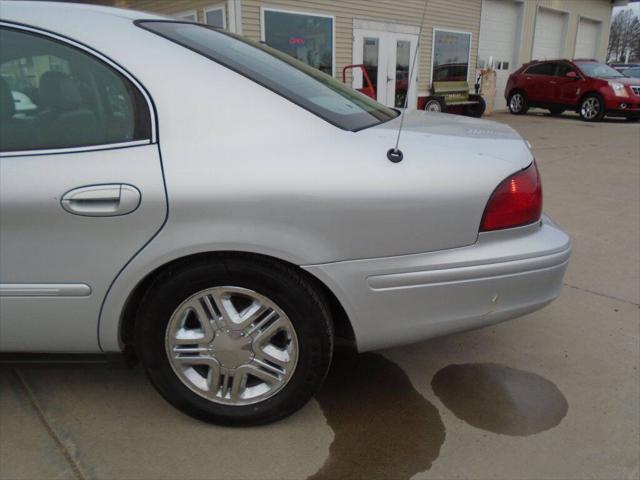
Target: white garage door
(587, 39)
(499, 27)
(548, 41)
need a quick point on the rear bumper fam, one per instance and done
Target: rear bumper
(405, 299)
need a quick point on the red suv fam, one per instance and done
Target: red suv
(588, 87)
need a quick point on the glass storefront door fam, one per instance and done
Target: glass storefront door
(387, 57)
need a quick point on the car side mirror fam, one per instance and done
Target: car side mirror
(572, 75)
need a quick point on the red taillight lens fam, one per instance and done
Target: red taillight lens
(517, 201)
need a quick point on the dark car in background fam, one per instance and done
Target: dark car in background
(623, 67)
(633, 72)
(588, 87)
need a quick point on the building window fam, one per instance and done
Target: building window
(450, 55)
(214, 16)
(309, 38)
(190, 16)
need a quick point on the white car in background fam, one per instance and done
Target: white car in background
(226, 211)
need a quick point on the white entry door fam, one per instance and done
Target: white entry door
(387, 57)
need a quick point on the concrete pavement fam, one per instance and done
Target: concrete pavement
(552, 395)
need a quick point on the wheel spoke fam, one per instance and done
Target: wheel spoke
(191, 360)
(189, 336)
(186, 349)
(268, 375)
(264, 335)
(250, 314)
(274, 355)
(238, 383)
(261, 324)
(213, 378)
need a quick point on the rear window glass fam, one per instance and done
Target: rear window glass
(304, 85)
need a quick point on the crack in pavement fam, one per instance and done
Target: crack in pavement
(610, 297)
(73, 464)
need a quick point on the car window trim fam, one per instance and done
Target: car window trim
(526, 72)
(88, 148)
(110, 63)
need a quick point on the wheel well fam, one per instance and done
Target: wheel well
(586, 94)
(514, 90)
(341, 323)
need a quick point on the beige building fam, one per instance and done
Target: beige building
(458, 36)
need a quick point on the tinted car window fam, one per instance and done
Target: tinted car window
(53, 95)
(563, 68)
(304, 85)
(541, 69)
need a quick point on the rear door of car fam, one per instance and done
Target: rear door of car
(81, 187)
(538, 80)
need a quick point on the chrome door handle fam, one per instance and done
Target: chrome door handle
(102, 200)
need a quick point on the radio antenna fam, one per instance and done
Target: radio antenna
(395, 154)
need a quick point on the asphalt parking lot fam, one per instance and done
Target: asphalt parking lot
(554, 395)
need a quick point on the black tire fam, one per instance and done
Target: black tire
(556, 111)
(518, 108)
(292, 292)
(477, 109)
(435, 104)
(588, 104)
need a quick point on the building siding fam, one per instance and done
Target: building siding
(173, 7)
(461, 15)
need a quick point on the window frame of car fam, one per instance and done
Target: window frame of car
(378, 111)
(110, 64)
(541, 64)
(570, 68)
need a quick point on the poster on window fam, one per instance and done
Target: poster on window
(308, 38)
(451, 56)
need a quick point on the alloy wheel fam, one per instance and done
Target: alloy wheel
(517, 102)
(433, 106)
(590, 108)
(231, 345)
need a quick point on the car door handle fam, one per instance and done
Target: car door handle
(552, 82)
(102, 200)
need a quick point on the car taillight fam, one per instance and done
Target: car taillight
(517, 201)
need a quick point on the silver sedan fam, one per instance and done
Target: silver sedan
(226, 212)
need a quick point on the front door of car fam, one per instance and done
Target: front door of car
(81, 188)
(569, 85)
(387, 57)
